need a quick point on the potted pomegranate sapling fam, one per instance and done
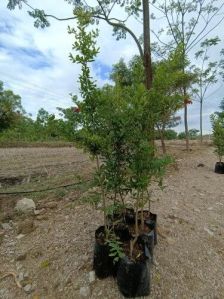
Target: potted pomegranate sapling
(218, 140)
(143, 166)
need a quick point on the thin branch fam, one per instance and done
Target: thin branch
(196, 22)
(110, 10)
(170, 25)
(60, 19)
(156, 7)
(192, 44)
(119, 24)
(122, 26)
(158, 38)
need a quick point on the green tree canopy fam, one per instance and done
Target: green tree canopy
(11, 109)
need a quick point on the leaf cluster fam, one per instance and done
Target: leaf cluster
(115, 246)
(218, 134)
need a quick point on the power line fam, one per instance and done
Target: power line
(215, 91)
(32, 86)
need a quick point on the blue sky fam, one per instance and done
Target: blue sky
(35, 64)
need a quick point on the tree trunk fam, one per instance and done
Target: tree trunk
(186, 127)
(147, 59)
(161, 133)
(201, 130)
(163, 143)
(186, 121)
(147, 50)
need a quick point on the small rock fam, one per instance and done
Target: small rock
(208, 231)
(20, 236)
(68, 280)
(39, 212)
(18, 266)
(36, 251)
(20, 276)
(170, 241)
(28, 288)
(26, 226)
(172, 217)
(26, 275)
(6, 226)
(21, 257)
(92, 276)
(85, 258)
(85, 292)
(201, 165)
(42, 217)
(25, 206)
(210, 208)
(1, 236)
(56, 284)
(50, 205)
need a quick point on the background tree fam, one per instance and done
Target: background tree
(221, 107)
(106, 11)
(167, 91)
(193, 134)
(188, 23)
(218, 134)
(11, 109)
(207, 72)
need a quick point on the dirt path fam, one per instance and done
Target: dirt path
(56, 258)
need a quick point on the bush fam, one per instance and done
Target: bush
(218, 135)
(193, 134)
(170, 134)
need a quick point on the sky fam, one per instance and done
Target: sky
(35, 63)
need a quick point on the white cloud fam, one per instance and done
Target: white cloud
(49, 87)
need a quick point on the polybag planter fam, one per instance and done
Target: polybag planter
(103, 264)
(133, 278)
(219, 167)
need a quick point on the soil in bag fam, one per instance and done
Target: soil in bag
(151, 222)
(121, 230)
(133, 278)
(103, 264)
(219, 167)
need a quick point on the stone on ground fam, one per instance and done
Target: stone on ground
(25, 206)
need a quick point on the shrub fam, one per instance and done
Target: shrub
(218, 135)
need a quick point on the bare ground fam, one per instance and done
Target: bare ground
(57, 255)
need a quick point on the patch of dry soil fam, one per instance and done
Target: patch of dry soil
(56, 257)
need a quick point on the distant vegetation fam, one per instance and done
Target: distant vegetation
(18, 128)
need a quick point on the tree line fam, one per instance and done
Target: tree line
(186, 25)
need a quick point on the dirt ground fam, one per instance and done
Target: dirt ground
(55, 259)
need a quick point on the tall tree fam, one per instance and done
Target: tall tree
(207, 73)
(188, 23)
(167, 91)
(106, 11)
(221, 107)
(11, 108)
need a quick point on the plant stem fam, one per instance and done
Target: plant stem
(132, 244)
(142, 216)
(136, 215)
(97, 163)
(103, 194)
(149, 200)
